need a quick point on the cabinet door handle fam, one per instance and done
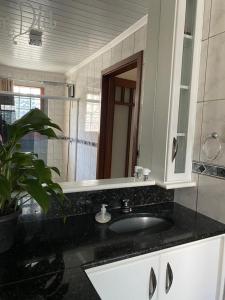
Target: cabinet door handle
(169, 278)
(152, 284)
(175, 149)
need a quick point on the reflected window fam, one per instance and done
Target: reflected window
(21, 104)
(16, 108)
(92, 117)
(24, 104)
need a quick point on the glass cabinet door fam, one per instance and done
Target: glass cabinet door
(180, 142)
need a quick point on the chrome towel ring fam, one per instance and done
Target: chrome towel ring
(213, 136)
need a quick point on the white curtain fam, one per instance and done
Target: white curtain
(6, 85)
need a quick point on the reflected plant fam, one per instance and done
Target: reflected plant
(48, 281)
(23, 174)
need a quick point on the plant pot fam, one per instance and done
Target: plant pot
(8, 230)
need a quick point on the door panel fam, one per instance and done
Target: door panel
(190, 273)
(119, 144)
(123, 141)
(127, 280)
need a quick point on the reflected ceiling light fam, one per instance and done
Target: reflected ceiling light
(41, 20)
(35, 37)
(93, 97)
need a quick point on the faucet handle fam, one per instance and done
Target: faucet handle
(126, 202)
(125, 207)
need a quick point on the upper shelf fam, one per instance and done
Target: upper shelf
(103, 184)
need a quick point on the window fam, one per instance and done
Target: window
(13, 108)
(92, 117)
(23, 104)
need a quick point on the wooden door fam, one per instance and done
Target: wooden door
(108, 106)
(122, 139)
(120, 129)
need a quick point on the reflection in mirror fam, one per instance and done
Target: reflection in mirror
(81, 63)
(53, 285)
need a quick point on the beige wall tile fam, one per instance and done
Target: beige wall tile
(98, 65)
(217, 24)
(188, 196)
(215, 73)
(202, 71)
(198, 132)
(214, 121)
(140, 39)
(211, 197)
(90, 78)
(206, 20)
(128, 46)
(106, 59)
(116, 54)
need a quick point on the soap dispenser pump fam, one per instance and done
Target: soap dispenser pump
(103, 216)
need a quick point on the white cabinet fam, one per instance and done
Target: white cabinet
(130, 279)
(167, 148)
(184, 88)
(190, 272)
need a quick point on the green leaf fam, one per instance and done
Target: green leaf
(43, 173)
(35, 117)
(5, 191)
(56, 170)
(34, 121)
(23, 159)
(50, 133)
(24, 172)
(37, 191)
(56, 191)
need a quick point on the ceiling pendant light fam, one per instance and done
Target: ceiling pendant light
(41, 20)
(35, 37)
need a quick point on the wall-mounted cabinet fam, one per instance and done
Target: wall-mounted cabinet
(178, 37)
(184, 93)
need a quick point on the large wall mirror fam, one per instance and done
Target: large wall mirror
(81, 62)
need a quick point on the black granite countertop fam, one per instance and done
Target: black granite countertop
(50, 256)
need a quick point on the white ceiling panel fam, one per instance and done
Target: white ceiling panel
(82, 27)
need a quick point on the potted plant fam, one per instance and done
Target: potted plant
(23, 174)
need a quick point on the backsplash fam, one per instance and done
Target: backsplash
(208, 169)
(90, 202)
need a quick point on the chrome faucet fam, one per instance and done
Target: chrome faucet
(125, 206)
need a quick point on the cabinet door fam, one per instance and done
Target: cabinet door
(184, 92)
(190, 273)
(132, 279)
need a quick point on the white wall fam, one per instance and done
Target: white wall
(57, 150)
(88, 81)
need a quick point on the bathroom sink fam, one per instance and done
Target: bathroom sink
(140, 222)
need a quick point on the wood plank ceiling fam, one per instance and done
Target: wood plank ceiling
(82, 28)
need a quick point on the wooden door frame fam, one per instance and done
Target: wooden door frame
(105, 137)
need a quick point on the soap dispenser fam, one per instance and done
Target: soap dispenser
(103, 216)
